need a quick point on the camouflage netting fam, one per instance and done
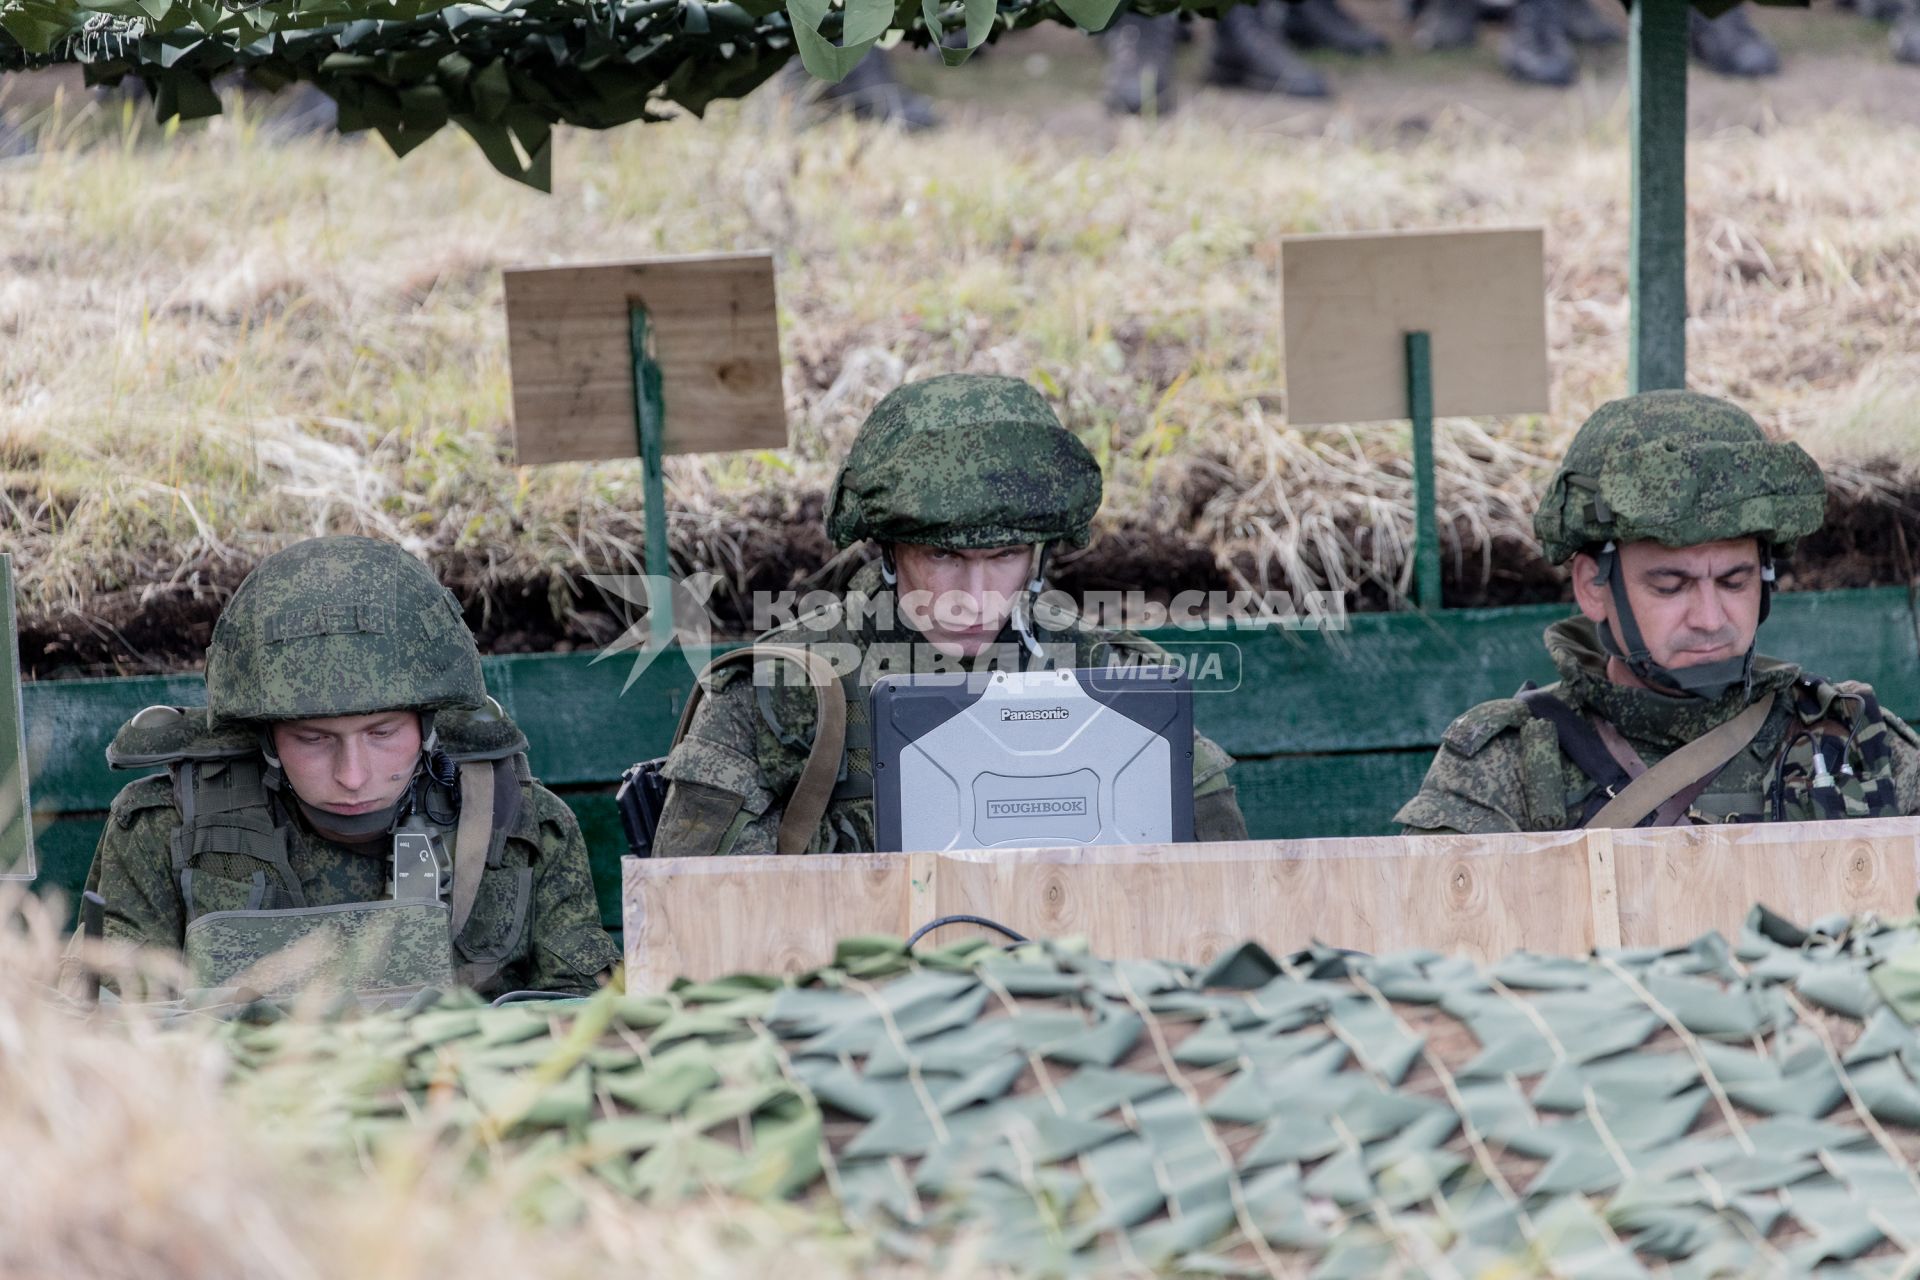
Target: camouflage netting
(1710, 1110)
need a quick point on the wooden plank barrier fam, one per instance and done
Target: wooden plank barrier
(1483, 896)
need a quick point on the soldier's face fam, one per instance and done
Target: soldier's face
(349, 764)
(959, 600)
(1695, 605)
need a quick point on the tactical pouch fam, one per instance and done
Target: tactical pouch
(372, 948)
(641, 797)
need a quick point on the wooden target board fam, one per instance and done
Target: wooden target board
(715, 340)
(1349, 301)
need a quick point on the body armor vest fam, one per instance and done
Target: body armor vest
(1831, 760)
(236, 824)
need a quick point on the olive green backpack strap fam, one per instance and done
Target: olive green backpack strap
(1700, 759)
(490, 754)
(220, 793)
(472, 838)
(808, 803)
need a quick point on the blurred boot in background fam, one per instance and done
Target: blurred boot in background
(1585, 24)
(1876, 10)
(1730, 44)
(1249, 53)
(1139, 71)
(872, 92)
(1323, 24)
(1447, 24)
(1536, 47)
(1906, 34)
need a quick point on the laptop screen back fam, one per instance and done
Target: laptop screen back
(979, 760)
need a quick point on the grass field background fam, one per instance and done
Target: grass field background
(217, 339)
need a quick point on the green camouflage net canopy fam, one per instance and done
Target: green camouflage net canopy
(1704, 1111)
(504, 71)
(507, 71)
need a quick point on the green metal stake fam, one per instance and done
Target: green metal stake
(1657, 69)
(1426, 527)
(650, 426)
(16, 812)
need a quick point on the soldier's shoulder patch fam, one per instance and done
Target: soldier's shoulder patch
(141, 795)
(1469, 734)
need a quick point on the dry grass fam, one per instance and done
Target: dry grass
(133, 1152)
(218, 343)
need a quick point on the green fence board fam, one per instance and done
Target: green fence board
(1300, 797)
(1333, 730)
(65, 848)
(1388, 682)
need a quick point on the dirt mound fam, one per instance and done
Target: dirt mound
(1870, 539)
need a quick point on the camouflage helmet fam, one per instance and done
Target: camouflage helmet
(340, 627)
(1678, 468)
(965, 461)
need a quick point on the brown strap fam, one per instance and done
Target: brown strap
(471, 837)
(808, 803)
(1670, 814)
(1618, 747)
(1690, 766)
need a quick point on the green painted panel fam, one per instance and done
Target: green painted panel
(1395, 681)
(606, 845)
(580, 726)
(1388, 682)
(1301, 797)
(70, 723)
(1335, 730)
(66, 849)
(16, 821)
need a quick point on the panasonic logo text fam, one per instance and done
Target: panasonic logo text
(1039, 713)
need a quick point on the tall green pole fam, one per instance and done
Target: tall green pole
(16, 815)
(650, 426)
(1657, 351)
(1426, 525)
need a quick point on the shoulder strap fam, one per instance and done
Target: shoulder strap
(225, 811)
(472, 838)
(808, 803)
(1580, 742)
(1701, 758)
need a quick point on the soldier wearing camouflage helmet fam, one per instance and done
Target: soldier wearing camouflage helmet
(1671, 508)
(350, 807)
(963, 482)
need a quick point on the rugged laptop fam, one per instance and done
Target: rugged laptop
(978, 760)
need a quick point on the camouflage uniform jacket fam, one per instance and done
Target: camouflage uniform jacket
(742, 756)
(535, 924)
(1500, 768)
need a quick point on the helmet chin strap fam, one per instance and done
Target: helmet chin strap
(1022, 618)
(1709, 681)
